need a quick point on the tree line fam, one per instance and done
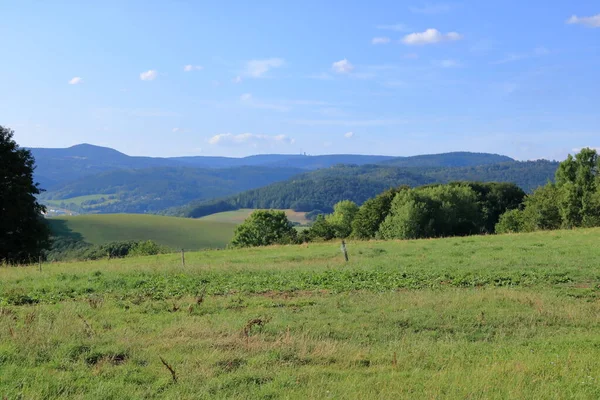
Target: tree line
(453, 209)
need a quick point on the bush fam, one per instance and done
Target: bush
(511, 222)
(264, 228)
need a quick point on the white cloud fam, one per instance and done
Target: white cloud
(449, 64)
(190, 68)
(380, 40)
(342, 67)
(258, 68)
(75, 81)
(430, 36)
(237, 79)
(592, 22)
(246, 97)
(395, 28)
(431, 9)
(255, 140)
(176, 130)
(349, 135)
(149, 75)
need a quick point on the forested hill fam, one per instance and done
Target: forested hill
(153, 189)
(321, 189)
(454, 159)
(59, 166)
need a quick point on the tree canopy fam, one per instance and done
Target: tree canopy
(264, 228)
(23, 231)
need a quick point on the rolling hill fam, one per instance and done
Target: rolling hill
(152, 189)
(175, 233)
(321, 189)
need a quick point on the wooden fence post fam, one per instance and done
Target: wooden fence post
(344, 250)
(183, 258)
(40, 263)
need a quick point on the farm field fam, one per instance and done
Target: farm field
(172, 232)
(238, 216)
(512, 316)
(80, 199)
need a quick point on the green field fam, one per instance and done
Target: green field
(80, 199)
(172, 232)
(487, 317)
(238, 216)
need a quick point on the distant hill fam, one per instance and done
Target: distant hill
(321, 189)
(58, 166)
(152, 189)
(454, 159)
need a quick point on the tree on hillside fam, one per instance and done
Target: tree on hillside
(435, 211)
(372, 213)
(264, 228)
(23, 231)
(342, 217)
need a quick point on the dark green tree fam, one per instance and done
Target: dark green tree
(321, 229)
(372, 213)
(24, 233)
(264, 228)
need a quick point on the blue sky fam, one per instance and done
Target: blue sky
(168, 78)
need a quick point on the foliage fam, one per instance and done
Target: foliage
(511, 222)
(264, 228)
(372, 213)
(341, 218)
(574, 201)
(436, 211)
(321, 229)
(23, 231)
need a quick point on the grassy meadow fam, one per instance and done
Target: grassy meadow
(514, 316)
(239, 216)
(172, 232)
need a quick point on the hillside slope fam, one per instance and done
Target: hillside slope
(321, 189)
(175, 233)
(153, 189)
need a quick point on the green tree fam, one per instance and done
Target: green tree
(577, 180)
(542, 210)
(342, 217)
(435, 211)
(372, 213)
(511, 222)
(23, 232)
(264, 228)
(321, 229)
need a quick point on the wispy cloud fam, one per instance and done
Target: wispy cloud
(431, 8)
(75, 81)
(430, 36)
(149, 75)
(349, 135)
(237, 79)
(342, 67)
(249, 101)
(258, 68)
(252, 139)
(537, 52)
(344, 122)
(394, 27)
(190, 68)
(592, 22)
(448, 63)
(380, 40)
